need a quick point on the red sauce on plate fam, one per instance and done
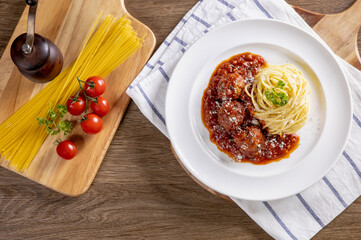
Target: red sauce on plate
(228, 114)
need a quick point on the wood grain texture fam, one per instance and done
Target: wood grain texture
(140, 191)
(340, 31)
(59, 21)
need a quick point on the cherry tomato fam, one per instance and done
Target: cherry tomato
(76, 108)
(101, 108)
(93, 124)
(98, 88)
(66, 149)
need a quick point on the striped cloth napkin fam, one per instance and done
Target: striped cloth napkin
(297, 217)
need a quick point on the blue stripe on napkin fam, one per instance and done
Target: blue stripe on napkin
(356, 120)
(348, 158)
(231, 16)
(226, 3)
(310, 210)
(201, 21)
(150, 66)
(262, 9)
(151, 104)
(166, 43)
(181, 42)
(166, 77)
(335, 192)
(278, 219)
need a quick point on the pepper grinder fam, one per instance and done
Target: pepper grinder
(36, 57)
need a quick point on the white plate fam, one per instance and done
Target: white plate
(321, 139)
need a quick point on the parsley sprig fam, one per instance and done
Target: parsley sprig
(277, 98)
(281, 84)
(53, 121)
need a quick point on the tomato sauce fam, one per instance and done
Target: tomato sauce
(228, 114)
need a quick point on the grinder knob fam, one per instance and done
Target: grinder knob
(36, 57)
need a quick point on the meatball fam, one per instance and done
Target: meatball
(230, 86)
(250, 141)
(231, 115)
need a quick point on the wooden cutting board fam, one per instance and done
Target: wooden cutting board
(67, 23)
(339, 31)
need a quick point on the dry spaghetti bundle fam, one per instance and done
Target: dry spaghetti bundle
(113, 42)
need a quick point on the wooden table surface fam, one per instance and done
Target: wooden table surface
(140, 190)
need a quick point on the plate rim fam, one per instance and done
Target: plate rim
(320, 42)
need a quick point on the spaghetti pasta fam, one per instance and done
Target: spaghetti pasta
(280, 98)
(113, 42)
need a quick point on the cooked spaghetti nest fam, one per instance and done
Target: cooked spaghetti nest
(280, 97)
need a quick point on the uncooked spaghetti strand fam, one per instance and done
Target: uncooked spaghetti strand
(20, 135)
